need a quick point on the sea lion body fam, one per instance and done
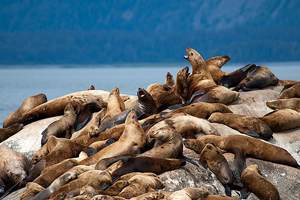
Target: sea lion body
(28, 104)
(9, 131)
(248, 125)
(292, 91)
(291, 103)
(189, 194)
(214, 66)
(282, 119)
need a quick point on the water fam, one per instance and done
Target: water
(19, 82)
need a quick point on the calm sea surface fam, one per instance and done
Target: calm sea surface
(19, 82)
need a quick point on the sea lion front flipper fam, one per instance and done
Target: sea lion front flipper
(197, 93)
(239, 159)
(109, 142)
(227, 190)
(82, 118)
(245, 193)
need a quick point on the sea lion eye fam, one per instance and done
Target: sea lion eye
(18, 175)
(192, 54)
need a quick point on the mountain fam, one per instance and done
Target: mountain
(91, 32)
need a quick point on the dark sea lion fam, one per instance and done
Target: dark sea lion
(214, 66)
(132, 140)
(9, 131)
(290, 91)
(244, 146)
(28, 104)
(169, 79)
(62, 127)
(84, 114)
(282, 119)
(217, 163)
(200, 109)
(248, 125)
(92, 87)
(200, 77)
(14, 168)
(235, 77)
(291, 103)
(261, 78)
(257, 184)
(144, 107)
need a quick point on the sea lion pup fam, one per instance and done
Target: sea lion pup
(282, 119)
(189, 194)
(217, 163)
(290, 91)
(28, 104)
(14, 167)
(115, 104)
(58, 149)
(261, 78)
(9, 131)
(248, 125)
(62, 127)
(131, 141)
(257, 184)
(243, 146)
(200, 109)
(291, 103)
(169, 81)
(56, 106)
(144, 107)
(214, 66)
(165, 96)
(235, 77)
(200, 77)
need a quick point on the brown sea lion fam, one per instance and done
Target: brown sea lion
(169, 79)
(28, 104)
(286, 82)
(189, 194)
(244, 146)
(132, 140)
(290, 91)
(9, 131)
(217, 163)
(150, 195)
(14, 168)
(200, 109)
(92, 87)
(291, 103)
(115, 104)
(282, 119)
(257, 184)
(200, 77)
(214, 66)
(261, 78)
(62, 127)
(248, 125)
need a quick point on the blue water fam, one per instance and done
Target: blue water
(19, 82)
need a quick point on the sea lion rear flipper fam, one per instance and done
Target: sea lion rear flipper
(109, 142)
(249, 131)
(82, 119)
(227, 190)
(239, 159)
(245, 193)
(197, 93)
(188, 160)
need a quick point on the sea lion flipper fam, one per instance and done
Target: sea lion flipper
(245, 193)
(249, 131)
(227, 190)
(82, 119)
(247, 67)
(239, 159)
(198, 93)
(109, 142)
(188, 160)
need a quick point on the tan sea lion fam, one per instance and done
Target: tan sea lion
(244, 146)
(150, 195)
(248, 125)
(214, 66)
(169, 79)
(257, 184)
(132, 140)
(291, 103)
(286, 82)
(290, 91)
(200, 109)
(115, 104)
(282, 119)
(31, 190)
(28, 104)
(189, 194)
(62, 127)
(200, 77)
(9, 131)
(107, 197)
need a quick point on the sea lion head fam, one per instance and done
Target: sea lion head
(93, 131)
(169, 79)
(162, 134)
(182, 82)
(216, 117)
(18, 175)
(115, 91)
(193, 56)
(146, 100)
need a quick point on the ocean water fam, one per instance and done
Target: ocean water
(19, 82)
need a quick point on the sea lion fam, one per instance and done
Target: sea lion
(132, 140)
(261, 78)
(144, 107)
(290, 91)
(62, 127)
(189, 194)
(235, 77)
(217, 163)
(291, 103)
(115, 104)
(286, 82)
(14, 168)
(282, 119)
(9, 131)
(214, 66)
(257, 184)
(31, 190)
(28, 104)
(92, 87)
(200, 109)
(56, 106)
(150, 195)
(169, 80)
(248, 125)
(244, 146)
(200, 77)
